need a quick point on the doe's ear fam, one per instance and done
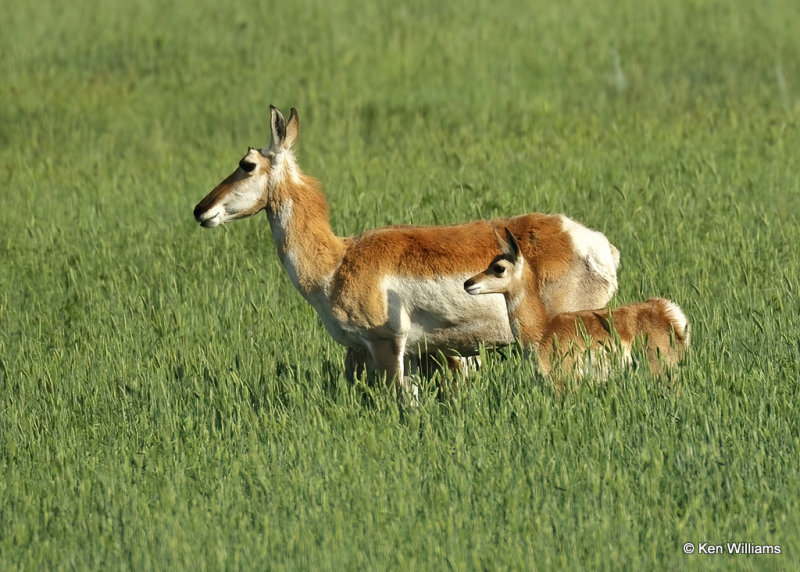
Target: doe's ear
(292, 129)
(277, 126)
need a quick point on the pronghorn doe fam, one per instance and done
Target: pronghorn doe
(398, 291)
(575, 342)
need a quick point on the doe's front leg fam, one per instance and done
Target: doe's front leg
(388, 355)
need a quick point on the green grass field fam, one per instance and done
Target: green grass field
(168, 400)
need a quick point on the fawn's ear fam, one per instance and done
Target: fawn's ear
(512, 246)
(277, 125)
(502, 243)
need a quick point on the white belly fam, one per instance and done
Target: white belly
(437, 314)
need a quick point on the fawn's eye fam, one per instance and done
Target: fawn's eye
(498, 269)
(247, 166)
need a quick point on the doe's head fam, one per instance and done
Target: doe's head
(246, 191)
(504, 271)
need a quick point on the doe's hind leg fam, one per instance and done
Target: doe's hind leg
(357, 363)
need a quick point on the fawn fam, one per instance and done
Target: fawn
(577, 341)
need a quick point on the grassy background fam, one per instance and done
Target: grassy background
(167, 399)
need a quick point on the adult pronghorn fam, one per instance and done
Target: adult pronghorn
(567, 336)
(398, 290)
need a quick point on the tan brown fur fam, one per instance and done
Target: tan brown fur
(310, 234)
(649, 321)
(431, 251)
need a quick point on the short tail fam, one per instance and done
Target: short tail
(673, 342)
(673, 313)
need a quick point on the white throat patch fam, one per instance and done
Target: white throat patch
(284, 168)
(279, 221)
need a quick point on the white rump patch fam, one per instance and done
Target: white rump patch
(594, 247)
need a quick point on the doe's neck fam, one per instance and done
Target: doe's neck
(298, 217)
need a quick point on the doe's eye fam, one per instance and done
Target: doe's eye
(247, 166)
(498, 269)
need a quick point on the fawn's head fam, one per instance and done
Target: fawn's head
(247, 190)
(504, 272)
